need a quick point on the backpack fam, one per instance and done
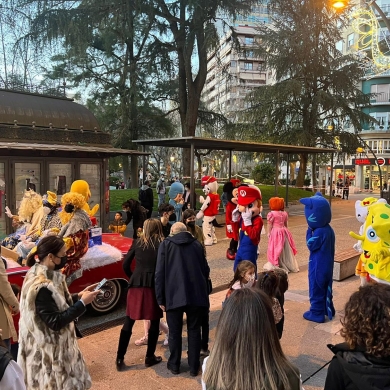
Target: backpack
(5, 358)
(142, 196)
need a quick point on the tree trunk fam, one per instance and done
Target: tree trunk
(314, 174)
(292, 171)
(302, 169)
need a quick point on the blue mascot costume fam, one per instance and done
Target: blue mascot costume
(320, 240)
(175, 194)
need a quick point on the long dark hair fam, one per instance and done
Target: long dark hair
(49, 244)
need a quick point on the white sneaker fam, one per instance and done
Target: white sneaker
(141, 341)
(166, 342)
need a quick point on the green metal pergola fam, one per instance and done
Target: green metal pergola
(240, 146)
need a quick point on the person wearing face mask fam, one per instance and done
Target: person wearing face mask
(48, 348)
(189, 218)
(244, 277)
(165, 211)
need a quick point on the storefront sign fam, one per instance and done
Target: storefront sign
(371, 161)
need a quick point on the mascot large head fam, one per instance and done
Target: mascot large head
(82, 187)
(317, 211)
(176, 191)
(249, 197)
(276, 204)
(376, 242)
(210, 185)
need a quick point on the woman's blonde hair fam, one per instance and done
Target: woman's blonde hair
(152, 232)
(247, 353)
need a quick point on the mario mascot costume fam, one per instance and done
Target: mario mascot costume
(231, 227)
(247, 214)
(320, 240)
(209, 209)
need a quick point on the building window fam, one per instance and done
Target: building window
(249, 53)
(350, 40)
(249, 40)
(248, 65)
(233, 64)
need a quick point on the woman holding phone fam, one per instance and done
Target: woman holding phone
(48, 348)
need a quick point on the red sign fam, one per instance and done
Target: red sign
(380, 161)
(362, 161)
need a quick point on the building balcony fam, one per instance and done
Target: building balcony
(380, 98)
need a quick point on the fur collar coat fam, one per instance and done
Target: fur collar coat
(49, 359)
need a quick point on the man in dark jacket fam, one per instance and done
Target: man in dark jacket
(181, 287)
(145, 196)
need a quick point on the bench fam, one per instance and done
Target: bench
(345, 263)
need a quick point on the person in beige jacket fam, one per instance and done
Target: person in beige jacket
(9, 305)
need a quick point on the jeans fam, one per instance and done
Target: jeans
(194, 314)
(161, 199)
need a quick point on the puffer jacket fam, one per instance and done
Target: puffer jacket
(356, 370)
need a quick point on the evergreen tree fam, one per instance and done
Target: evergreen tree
(316, 95)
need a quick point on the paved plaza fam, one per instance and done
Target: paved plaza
(303, 342)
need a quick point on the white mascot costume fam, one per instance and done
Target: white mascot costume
(209, 209)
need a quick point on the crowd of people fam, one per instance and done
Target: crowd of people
(169, 276)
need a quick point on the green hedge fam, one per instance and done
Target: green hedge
(117, 197)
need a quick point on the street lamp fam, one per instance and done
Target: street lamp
(341, 4)
(338, 4)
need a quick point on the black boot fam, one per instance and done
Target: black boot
(124, 340)
(216, 224)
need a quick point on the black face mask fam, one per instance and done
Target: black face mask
(62, 264)
(172, 218)
(191, 224)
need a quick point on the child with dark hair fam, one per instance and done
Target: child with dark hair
(268, 282)
(166, 211)
(244, 277)
(282, 288)
(363, 360)
(118, 225)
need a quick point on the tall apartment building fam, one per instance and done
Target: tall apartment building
(233, 72)
(377, 82)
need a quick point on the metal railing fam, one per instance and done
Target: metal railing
(30, 88)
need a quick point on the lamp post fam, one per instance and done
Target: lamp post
(341, 4)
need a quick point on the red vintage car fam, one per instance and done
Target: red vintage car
(111, 291)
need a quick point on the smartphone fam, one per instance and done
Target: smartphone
(101, 284)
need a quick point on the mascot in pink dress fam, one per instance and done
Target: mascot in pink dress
(281, 246)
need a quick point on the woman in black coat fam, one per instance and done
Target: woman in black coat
(141, 297)
(134, 211)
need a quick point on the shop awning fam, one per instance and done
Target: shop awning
(340, 166)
